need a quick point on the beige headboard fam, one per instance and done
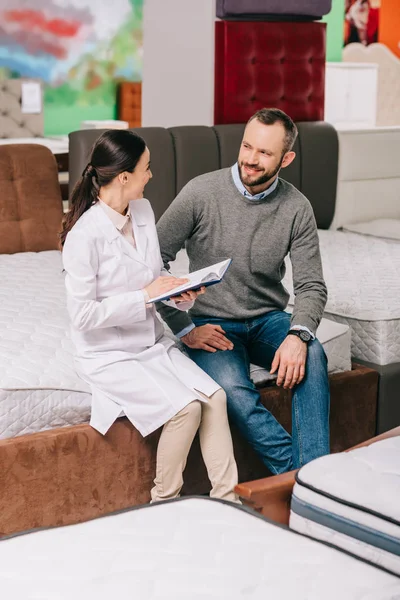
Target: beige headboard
(388, 108)
(13, 122)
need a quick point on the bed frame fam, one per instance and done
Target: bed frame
(271, 496)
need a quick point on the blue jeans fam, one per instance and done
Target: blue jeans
(256, 341)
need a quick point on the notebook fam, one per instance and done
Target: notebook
(203, 277)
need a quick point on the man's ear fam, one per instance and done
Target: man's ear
(288, 158)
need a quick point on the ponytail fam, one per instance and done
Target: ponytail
(84, 195)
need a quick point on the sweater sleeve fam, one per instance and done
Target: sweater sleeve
(174, 227)
(308, 282)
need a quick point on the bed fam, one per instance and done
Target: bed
(272, 496)
(362, 276)
(195, 548)
(347, 176)
(55, 468)
(351, 500)
(39, 386)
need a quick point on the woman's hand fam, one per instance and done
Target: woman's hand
(189, 296)
(164, 284)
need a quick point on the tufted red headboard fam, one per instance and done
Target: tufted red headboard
(273, 64)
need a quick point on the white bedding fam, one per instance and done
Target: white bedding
(39, 387)
(58, 145)
(362, 274)
(351, 500)
(189, 549)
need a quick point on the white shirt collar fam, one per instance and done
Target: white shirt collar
(238, 182)
(118, 220)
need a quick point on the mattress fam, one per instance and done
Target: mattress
(39, 387)
(251, 8)
(351, 500)
(58, 145)
(335, 337)
(192, 548)
(362, 276)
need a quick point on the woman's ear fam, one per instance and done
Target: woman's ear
(123, 178)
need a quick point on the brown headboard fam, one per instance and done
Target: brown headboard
(30, 199)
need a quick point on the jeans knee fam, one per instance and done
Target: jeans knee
(316, 354)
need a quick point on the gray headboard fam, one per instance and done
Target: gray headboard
(180, 153)
(13, 122)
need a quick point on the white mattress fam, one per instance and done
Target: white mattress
(39, 387)
(362, 276)
(335, 337)
(189, 549)
(58, 145)
(352, 500)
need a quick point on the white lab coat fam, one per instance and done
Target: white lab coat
(121, 349)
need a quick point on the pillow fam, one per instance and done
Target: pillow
(388, 229)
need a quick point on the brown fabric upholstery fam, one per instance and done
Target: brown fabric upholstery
(31, 208)
(70, 475)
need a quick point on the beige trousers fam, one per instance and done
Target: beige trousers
(216, 447)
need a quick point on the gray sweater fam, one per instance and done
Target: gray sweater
(215, 221)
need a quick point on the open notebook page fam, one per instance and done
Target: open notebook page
(211, 274)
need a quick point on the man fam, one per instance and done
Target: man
(249, 214)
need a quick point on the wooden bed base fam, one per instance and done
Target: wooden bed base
(271, 495)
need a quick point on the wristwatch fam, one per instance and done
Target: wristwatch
(302, 334)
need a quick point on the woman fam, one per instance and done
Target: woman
(113, 265)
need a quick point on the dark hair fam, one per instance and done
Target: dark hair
(270, 116)
(115, 151)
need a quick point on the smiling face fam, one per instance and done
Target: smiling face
(137, 181)
(262, 155)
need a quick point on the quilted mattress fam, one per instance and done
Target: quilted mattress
(192, 548)
(351, 500)
(362, 275)
(39, 387)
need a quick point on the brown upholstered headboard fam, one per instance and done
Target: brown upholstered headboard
(30, 199)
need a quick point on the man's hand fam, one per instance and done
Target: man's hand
(189, 296)
(290, 360)
(207, 337)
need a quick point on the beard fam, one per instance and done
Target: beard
(264, 176)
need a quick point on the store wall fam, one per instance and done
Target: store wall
(389, 25)
(334, 21)
(80, 49)
(178, 62)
